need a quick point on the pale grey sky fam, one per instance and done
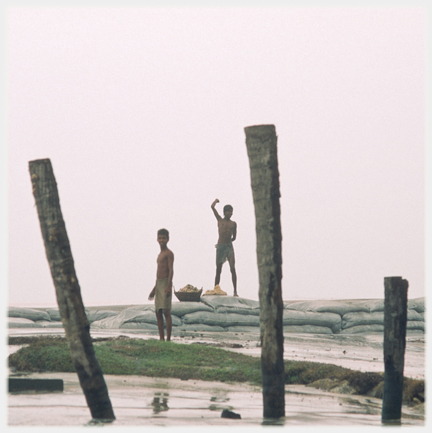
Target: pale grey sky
(142, 111)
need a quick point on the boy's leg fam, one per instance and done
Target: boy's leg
(218, 273)
(160, 323)
(231, 262)
(168, 320)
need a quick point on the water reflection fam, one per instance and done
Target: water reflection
(160, 402)
(274, 421)
(219, 398)
(368, 406)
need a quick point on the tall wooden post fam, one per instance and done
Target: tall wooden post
(261, 143)
(68, 291)
(395, 321)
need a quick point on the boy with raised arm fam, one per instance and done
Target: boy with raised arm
(224, 248)
(162, 291)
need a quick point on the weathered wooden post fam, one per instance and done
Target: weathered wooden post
(395, 321)
(68, 291)
(261, 143)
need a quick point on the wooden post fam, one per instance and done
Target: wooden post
(261, 143)
(68, 291)
(395, 321)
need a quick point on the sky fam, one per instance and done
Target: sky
(142, 113)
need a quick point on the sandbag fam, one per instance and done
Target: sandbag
(415, 326)
(411, 327)
(417, 304)
(132, 314)
(179, 309)
(238, 310)
(363, 328)
(374, 318)
(413, 315)
(150, 317)
(223, 320)
(54, 314)
(373, 305)
(28, 313)
(309, 329)
(95, 315)
(115, 322)
(108, 323)
(323, 306)
(21, 322)
(360, 318)
(234, 319)
(296, 318)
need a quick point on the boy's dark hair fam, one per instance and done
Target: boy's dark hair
(163, 232)
(227, 207)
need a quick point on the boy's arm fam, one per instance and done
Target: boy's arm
(152, 294)
(216, 214)
(234, 234)
(170, 259)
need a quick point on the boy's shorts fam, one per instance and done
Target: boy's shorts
(162, 301)
(224, 252)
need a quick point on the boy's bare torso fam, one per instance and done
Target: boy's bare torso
(226, 230)
(163, 264)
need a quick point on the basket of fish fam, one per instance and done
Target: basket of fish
(188, 293)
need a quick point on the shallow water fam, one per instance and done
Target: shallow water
(141, 401)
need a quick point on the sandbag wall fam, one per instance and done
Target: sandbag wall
(225, 313)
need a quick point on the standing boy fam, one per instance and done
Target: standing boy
(224, 248)
(162, 291)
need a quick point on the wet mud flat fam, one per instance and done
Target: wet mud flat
(144, 401)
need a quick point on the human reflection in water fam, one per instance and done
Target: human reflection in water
(160, 402)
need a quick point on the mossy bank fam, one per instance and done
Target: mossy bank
(154, 358)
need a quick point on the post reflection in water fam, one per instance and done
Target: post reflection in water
(160, 402)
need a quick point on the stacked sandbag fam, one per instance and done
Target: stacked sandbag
(96, 315)
(347, 316)
(318, 317)
(30, 318)
(29, 313)
(234, 314)
(373, 321)
(136, 317)
(191, 314)
(325, 323)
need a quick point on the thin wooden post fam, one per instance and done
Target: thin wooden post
(261, 143)
(395, 321)
(68, 292)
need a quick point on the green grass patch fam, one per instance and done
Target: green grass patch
(143, 357)
(156, 358)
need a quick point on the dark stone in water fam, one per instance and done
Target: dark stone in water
(228, 414)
